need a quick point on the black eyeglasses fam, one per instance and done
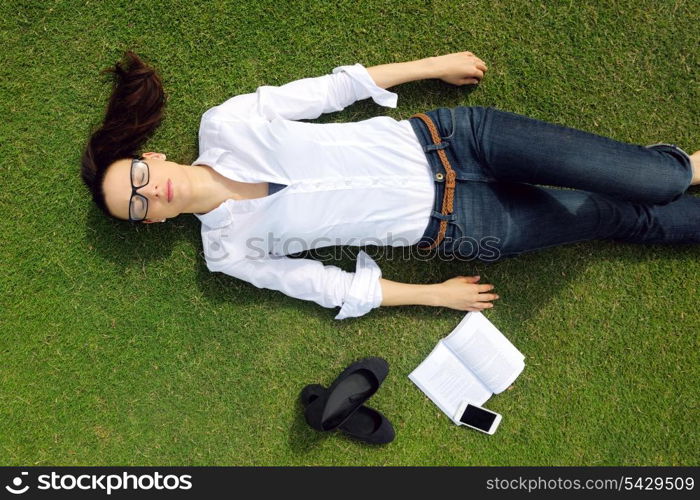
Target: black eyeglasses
(138, 204)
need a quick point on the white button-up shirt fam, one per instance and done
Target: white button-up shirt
(359, 183)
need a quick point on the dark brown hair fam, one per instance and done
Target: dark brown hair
(134, 112)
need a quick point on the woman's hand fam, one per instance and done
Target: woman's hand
(464, 294)
(460, 68)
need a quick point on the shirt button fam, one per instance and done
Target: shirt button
(439, 176)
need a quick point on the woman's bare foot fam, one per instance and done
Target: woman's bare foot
(695, 162)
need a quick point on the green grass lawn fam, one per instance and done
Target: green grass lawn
(118, 347)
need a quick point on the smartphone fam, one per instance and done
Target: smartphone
(477, 418)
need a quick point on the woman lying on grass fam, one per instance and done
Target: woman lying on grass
(463, 181)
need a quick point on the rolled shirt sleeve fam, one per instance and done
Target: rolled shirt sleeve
(307, 98)
(363, 86)
(329, 286)
(365, 292)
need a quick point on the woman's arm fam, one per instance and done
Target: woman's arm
(461, 293)
(304, 99)
(459, 68)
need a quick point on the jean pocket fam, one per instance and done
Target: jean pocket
(485, 246)
(445, 122)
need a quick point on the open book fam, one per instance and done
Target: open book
(471, 364)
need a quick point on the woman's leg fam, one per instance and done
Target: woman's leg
(515, 148)
(507, 219)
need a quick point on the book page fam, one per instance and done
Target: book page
(447, 382)
(486, 352)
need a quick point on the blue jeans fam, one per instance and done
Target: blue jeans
(617, 191)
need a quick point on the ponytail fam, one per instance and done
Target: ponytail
(134, 112)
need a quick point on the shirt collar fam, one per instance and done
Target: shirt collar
(217, 218)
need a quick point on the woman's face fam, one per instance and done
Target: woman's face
(167, 190)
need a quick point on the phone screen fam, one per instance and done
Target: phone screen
(478, 417)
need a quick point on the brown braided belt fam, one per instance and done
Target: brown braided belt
(449, 196)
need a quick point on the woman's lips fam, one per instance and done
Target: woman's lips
(170, 190)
